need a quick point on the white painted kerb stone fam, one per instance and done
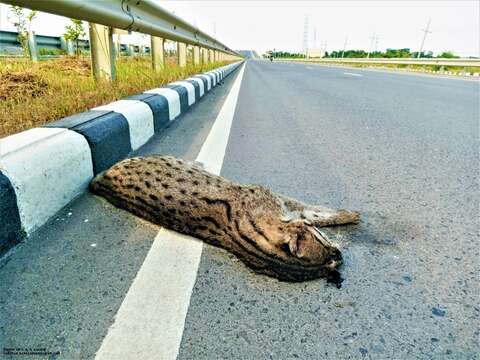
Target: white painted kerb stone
(173, 100)
(214, 77)
(209, 80)
(219, 73)
(190, 90)
(200, 84)
(139, 117)
(47, 167)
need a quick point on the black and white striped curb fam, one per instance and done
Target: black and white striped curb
(43, 169)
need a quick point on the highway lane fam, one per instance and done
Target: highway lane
(402, 149)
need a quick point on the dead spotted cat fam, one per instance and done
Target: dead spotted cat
(271, 233)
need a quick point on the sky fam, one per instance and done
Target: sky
(266, 25)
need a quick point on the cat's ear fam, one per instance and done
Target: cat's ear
(295, 236)
(292, 241)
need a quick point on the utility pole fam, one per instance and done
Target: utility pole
(305, 36)
(376, 43)
(324, 46)
(425, 32)
(344, 46)
(373, 41)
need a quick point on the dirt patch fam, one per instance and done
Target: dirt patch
(21, 85)
(69, 65)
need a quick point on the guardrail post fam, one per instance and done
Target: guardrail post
(182, 54)
(205, 55)
(70, 48)
(32, 46)
(117, 47)
(130, 50)
(102, 52)
(63, 43)
(211, 55)
(158, 53)
(196, 55)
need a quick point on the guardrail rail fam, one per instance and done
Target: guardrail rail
(144, 16)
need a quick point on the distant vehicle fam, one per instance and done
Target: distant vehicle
(271, 58)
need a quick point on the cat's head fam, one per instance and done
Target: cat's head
(306, 246)
(307, 243)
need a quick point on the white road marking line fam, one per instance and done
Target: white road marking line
(352, 74)
(151, 319)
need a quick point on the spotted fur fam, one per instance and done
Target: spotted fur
(270, 233)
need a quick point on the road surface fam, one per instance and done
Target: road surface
(400, 148)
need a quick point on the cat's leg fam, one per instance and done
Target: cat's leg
(318, 215)
(326, 217)
(290, 204)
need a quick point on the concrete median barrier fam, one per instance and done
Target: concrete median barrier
(47, 168)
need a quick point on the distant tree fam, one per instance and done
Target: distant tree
(23, 24)
(398, 53)
(73, 32)
(448, 55)
(333, 54)
(423, 54)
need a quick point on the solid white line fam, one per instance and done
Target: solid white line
(150, 321)
(352, 74)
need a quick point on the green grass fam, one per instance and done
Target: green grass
(413, 67)
(34, 94)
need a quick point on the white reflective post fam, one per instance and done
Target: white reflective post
(182, 54)
(102, 52)
(158, 53)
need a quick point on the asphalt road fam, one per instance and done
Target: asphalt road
(400, 148)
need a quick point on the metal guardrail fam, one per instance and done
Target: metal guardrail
(9, 43)
(399, 61)
(9, 39)
(143, 16)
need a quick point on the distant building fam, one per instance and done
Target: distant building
(315, 53)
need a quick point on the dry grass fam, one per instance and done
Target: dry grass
(34, 94)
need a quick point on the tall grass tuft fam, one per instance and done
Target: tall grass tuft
(32, 95)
